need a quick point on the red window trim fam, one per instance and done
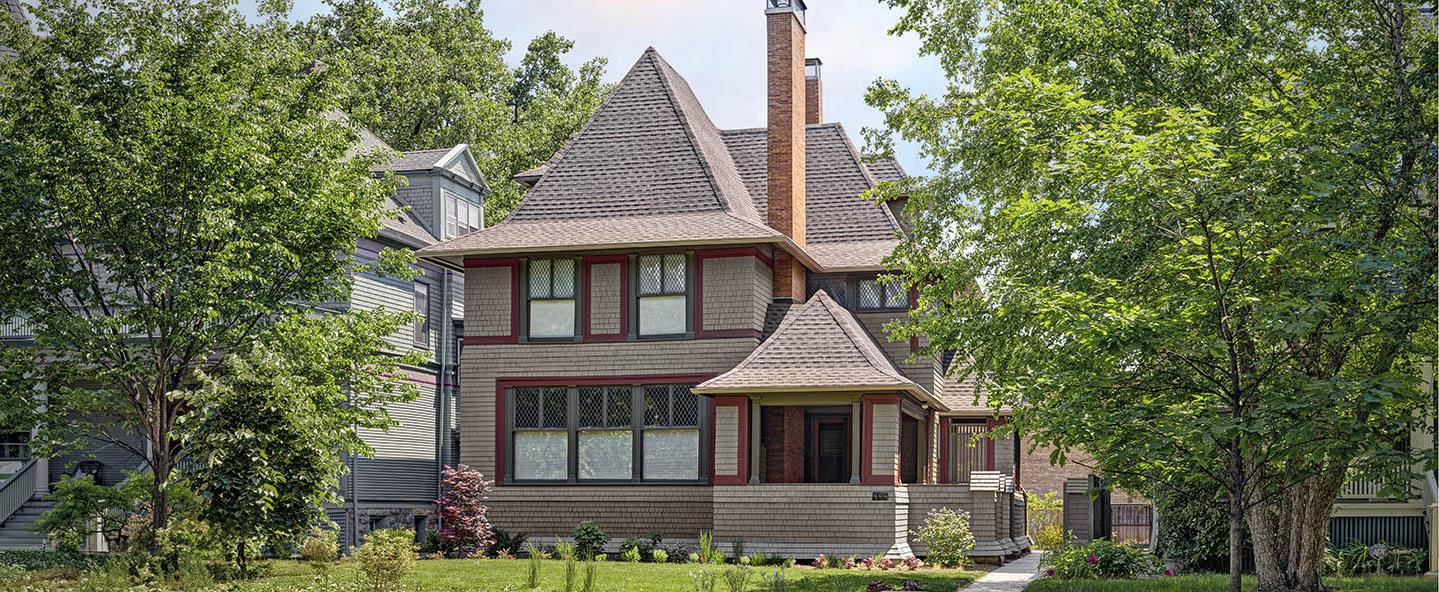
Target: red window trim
(514, 264)
(586, 334)
(507, 382)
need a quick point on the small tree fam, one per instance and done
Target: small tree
(465, 527)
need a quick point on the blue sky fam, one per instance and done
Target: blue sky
(718, 46)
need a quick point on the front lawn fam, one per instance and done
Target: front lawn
(496, 575)
(1220, 583)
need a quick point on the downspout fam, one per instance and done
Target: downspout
(442, 391)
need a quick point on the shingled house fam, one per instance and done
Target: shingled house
(680, 330)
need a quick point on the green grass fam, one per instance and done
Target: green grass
(1219, 583)
(496, 575)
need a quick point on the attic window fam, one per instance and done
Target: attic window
(461, 216)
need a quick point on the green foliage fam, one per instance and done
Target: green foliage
(1355, 559)
(660, 556)
(427, 74)
(591, 576)
(736, 549)
(707, 550)
(197, 191)
(758, 559)
(83, 508)
(1044, 514)
(704, 580)
(1193, 528)
(1049, 536)
(631, 555)
(694, 558)
(1099, 559)
(571, 569)
(565, 550)
(736, 578)
(506, 542)
(386, 557)
(1192, 242)
(646, 545)
(774, 581)
(37, 560)
(535, 558)
(321, 547)
(590, 540)
(947, 536)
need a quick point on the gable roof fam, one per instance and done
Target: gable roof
(818, 347)
(960, 389)
(884, 168)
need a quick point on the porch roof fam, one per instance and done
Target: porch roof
(819, 347)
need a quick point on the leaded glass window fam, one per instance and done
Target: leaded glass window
(552, 298)
(606, 437)
(874, 295)
(663, 295)
(671, 433)
(541, 434)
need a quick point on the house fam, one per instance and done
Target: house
(681, 330)
(441, 196)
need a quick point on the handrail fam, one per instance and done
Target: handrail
(17, 490)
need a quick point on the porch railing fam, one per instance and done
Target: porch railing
(1371, 489)
(17, 490)
(15, 328)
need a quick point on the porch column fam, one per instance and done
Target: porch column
(732, 424)
(857, 440)
(42, 465)
(754, 428)
(1433, 542)
(880, 450)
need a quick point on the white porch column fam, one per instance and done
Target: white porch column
(42, 465)
(1433, 542)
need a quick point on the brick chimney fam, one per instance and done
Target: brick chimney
(813, 92)
(785, 137)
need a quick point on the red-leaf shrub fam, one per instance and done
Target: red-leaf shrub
(465, 529)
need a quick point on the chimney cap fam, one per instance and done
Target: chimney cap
(777, 6)
(811, 68)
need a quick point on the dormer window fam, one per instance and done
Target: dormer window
(663, 294)
(461, 216)
(876, 295)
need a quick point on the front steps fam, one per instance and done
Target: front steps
(18, 532)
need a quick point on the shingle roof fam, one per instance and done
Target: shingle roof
(960, 390)
(415, 160)
(400, 223)
(635, 231)
(649, 150)
(852, 255)
(819, 346)
(884, 169)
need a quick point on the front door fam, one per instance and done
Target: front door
(829, 449)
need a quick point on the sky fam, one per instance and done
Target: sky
(719, 47)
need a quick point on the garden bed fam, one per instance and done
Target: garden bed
(1220, 583)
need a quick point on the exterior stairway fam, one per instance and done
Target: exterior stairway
(18, 532)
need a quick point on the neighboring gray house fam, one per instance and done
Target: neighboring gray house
(442, 197)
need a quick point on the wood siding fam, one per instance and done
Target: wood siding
(488, 298)
(676, 512)
(604, 295)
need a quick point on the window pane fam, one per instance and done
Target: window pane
(651, 274)
(592, 407)
(527, 408)
(686, 409)
(564, 273)
(540, 278)
(618, 407)
(869, 294)
(474, 217)
(422, 308)
(556, 408)
(662, 315)
(657, 405)
(542, 455)
(675, 274)
(552, 318)
(606, 454)
(895, 295)
(672, 454)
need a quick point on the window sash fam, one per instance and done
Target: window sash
(662, 303)
(876, 295)
(551, 286)
(615, 452)
(422, 308)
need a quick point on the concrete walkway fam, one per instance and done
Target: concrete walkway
(1012, 577)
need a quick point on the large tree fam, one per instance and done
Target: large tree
(428, 74)
(174, 187)
(1194, 238)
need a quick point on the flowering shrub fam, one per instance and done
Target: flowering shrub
(1099, 559)
(819, 562)
(913, 563)
(879, 562)
(462, 510)
(946, 534)
(849, 563)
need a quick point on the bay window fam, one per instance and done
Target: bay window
(663, 297)
(877, 295)
(551, 298)
(622, 433)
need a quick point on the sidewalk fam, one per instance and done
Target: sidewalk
(1012, 577)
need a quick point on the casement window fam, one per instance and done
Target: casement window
(422, 308)
(461, 216)
(551, 298)
(621, 433)
(663, 297)
(876, 295)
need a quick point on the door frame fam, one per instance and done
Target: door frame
(815, 421)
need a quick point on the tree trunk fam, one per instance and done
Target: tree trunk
(1290, 533)
(1236, 542)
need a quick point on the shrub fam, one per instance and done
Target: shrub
(1194, 530)
(1355, 559)
(507, 543)
(645, 545)
(565, 551)
(1099, 559)
(1041, 512)
(758, 559)
(78, 502)
(631, 555)
(1049, 537)
(386, 557)
(736, 548)
(590, 540)
(693, 558)
(946, 533)
(320, 547)
(660, 556)
(36, 560)
(707, 547)
(820, 562)
(736, 578)
(461, 508)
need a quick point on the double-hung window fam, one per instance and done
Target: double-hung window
(551, 298)
(619, 433)
(14, 446)
(663, 300)
(461, 216)
(422, 320)
(877, 295)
